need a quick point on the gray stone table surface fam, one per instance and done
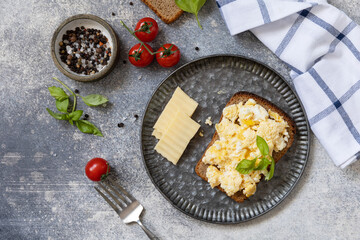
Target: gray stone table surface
(44, 193)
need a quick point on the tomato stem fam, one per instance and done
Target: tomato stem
(145, 27)
(132, 33)
(137, 54)
(167, 51)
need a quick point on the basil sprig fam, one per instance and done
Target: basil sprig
(73, 116)
(191, 6)
(246, 166)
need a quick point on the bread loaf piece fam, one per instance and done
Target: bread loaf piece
(167, 10)
(201, 167)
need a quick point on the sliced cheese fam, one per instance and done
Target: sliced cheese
(178, 135)
(179, 101)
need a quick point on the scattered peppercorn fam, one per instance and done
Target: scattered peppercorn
(120, 125)
(113, 13)
(124, 61)
(131, 3)
(197, 48)
(136, 116)
(86, 116)
(76, 91)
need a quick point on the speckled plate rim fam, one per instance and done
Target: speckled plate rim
(113, 58)
(218, 56)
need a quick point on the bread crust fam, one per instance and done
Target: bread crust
(175, 14)
(238, 97)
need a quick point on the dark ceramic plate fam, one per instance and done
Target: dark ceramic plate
(211, 81)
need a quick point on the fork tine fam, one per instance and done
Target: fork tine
(126, 201)
(108, 201)
(113, 197)
(123, 191)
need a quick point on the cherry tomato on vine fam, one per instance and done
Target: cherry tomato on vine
(168, 55)
(97, 169)
(139, 56)
(146, 29)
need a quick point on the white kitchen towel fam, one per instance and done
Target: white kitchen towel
(321, 46)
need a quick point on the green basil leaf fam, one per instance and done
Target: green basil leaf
(272, 169)
(58, 116)
(71, 122)
(262, 145)
(94, 100)
(246, 166)
(58, 93)
(263, 164)
(87, 127)
(63, 105)
(76, 115)
(191, 6)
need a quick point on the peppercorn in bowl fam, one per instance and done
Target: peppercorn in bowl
(84, 48)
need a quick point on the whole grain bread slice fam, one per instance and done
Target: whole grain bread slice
(167, 10)
(201, 167)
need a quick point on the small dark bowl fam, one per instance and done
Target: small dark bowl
(88, 21)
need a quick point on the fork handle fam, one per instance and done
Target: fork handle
(147, 231)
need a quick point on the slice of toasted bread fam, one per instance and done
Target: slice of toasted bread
(167, 10)
(201, 167)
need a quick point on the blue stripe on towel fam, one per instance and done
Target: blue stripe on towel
(336, 41)
(332, 107)
(221, 3)
(264, 11)
(294, 69)
(335, 33)
(290, 34)
(327, 26)
(334, 99)
(352, 48)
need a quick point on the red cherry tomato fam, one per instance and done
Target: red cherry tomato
(146, 29)
(139, 56)
(97, 169)
(168, 55)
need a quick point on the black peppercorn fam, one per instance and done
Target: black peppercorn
(120, 125)
(131, 3)
(73, 38)
(113, 13)
(86, 115)
(197, 48)
(136, 116)
(76, 91)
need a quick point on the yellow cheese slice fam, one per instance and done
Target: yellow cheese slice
(178, 135)
(179, 101)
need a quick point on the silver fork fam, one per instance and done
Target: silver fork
(128, 208)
